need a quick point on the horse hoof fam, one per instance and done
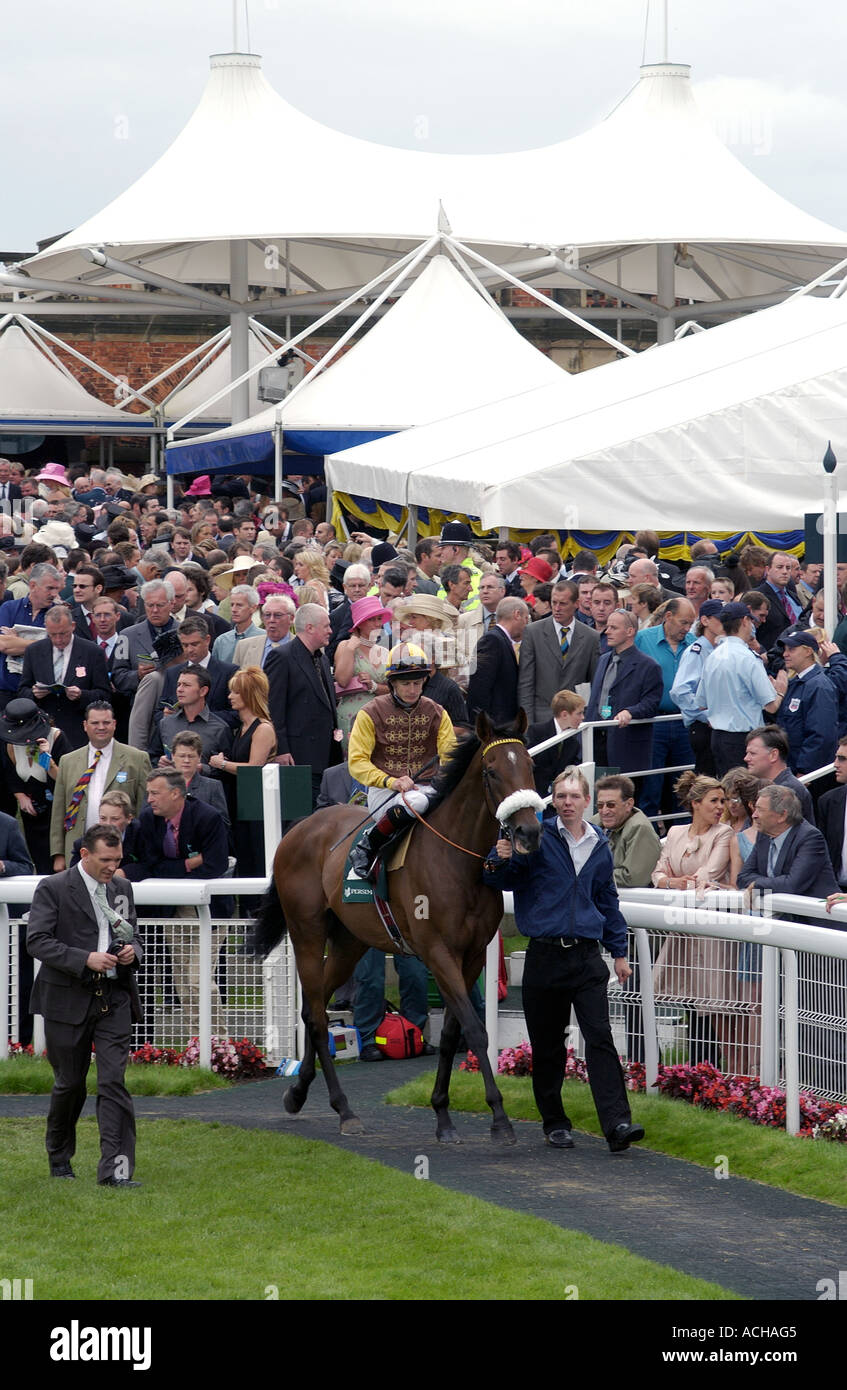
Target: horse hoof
(291, 1102)
(505, 1136)
(448, 1136)
(352, 1126)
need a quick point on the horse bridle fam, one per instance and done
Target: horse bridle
(516, 801)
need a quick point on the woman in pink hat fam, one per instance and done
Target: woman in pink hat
(360, 662)
(53, 481)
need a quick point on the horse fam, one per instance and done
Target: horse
(445, 913)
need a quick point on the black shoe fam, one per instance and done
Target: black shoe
(363, 861)
(427, 1050)
(559, 1139)
(623, 1135)
(117, 1182)
(371, 1053)
(61, 1170)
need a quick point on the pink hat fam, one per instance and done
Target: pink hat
(366, 608)
(54, 473)
(266, 587)
(201, 487)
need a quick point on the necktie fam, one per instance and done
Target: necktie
(78, 792)
(92, 629)
(608, 682)
(565, 642)
(169, 844)
(108, 912)
(103, 644)
(489, 621)
(772, 858)
(58, 664)
(783, 598)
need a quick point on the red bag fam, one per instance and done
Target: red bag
(397, 1037)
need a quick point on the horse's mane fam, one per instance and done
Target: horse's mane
(454, 769)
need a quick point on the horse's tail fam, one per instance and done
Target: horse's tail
(269, 926)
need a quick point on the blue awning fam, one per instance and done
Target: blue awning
(254, 453)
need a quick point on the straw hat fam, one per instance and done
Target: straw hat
(442, 613)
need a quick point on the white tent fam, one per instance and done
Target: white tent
(38, 395)
(211, 379)
(335, 209)
(726, 427)
(442, 346)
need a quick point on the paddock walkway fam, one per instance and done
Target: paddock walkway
(755, 1240)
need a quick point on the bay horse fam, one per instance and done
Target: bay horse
(441, 906)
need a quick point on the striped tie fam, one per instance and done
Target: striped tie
(565, 642)
(79, 792)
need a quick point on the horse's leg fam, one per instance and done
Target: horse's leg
(444, 1130)
(310, 965)
(295, 1096)
(452, 985)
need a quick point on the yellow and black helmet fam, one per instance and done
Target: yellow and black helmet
(406, 661)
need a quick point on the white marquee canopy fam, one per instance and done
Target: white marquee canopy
(39, 395)
(724, 426)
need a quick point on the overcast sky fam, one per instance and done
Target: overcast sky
(92, 93)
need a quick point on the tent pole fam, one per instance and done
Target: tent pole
(665, 291)
(278, 461)
(111, 451)
(412, 527)
(240, 339)
(102, 452)
(169, 492)
(328, 504)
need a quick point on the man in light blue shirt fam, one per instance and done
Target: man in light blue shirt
(734, 689)
(666, 644)
(687, 680)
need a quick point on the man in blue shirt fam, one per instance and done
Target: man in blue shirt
(666, 643)
(567, 904)
(734, 689)
(45, 581)
(687, 680)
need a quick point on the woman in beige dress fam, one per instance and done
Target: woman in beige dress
(696, 970)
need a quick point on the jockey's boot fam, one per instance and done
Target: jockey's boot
(364, 858)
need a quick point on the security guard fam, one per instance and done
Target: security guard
(809, 712)
(734, 689)
(456, 540)
(687, 679)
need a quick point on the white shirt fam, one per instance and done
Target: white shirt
(560, 629)
(581, 849)
(103, 930)
(60, 672)
(97, 785)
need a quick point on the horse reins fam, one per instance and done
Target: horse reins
(485, 773)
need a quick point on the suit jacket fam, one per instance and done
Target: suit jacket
(638, 687)
(250, 650)
(67, 715)
(831, 824)
(134, 642)
(302, 706)
(777, 620)
(548, 765)
(62, 932)
(542, 669)
(217, 700)
(128, 772)
(493, 685)
(803, 865)
(130, 847)
(13, 851)
(202, 830)
(341, 619)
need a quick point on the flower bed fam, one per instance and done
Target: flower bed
(704, 1086)
(235, 1058)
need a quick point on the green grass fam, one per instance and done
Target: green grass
(34, 1076)
(810, 1168)
(228, 1213)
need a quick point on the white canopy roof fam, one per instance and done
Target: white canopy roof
(723, 428)
(652, 172)
(441, 347)
(37, 396)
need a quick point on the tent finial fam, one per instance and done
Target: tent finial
(443, 221)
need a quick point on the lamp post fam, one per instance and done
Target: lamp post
(829, 521)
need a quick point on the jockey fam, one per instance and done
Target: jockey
(393, 737)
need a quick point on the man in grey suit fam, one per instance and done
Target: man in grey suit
(86, 992)
(557, 653)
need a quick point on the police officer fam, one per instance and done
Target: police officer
(687, 679)
(809, 712)
(734, 689)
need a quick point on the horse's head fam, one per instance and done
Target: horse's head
(508, 782)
